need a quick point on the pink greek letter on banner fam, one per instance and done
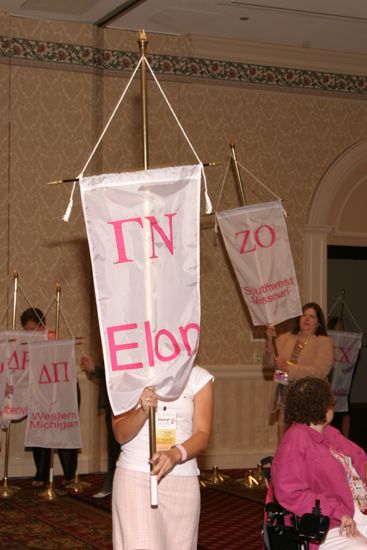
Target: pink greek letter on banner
(143, 234)
(257, 243)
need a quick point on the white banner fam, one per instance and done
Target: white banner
(143, 233)
(53, 416)
(257, 243)
(17, 360)
(346, 350)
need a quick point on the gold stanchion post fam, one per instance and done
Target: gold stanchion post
(7, 490)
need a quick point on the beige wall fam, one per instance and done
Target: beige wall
(288, 135)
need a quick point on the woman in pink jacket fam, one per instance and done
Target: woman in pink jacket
(315, 461)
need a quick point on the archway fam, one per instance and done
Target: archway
(336, 216)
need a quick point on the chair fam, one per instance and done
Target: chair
(277, 535)
(283, 530)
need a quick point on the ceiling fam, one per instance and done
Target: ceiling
(334, 25)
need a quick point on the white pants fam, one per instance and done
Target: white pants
(335, 541)
(172, 526)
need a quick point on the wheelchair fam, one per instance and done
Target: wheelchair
(283, 530)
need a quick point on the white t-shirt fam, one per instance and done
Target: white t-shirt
(135, 453)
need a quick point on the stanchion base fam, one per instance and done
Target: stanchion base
(7, 491)
(215, 478)
(77, 486)
(51, 494)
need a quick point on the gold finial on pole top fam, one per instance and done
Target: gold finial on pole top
(143, 43)
(237, 174)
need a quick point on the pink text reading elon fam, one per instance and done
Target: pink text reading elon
(151, 344)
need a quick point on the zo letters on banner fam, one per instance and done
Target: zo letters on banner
(17, 362)
(143, 233)
(53, 416)
(346, 350)
(257, 243)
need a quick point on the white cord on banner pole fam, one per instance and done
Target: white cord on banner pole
(208, 204)
(352, 316)
(66, 216)
(337, 301)
(334, 306)
(263, 184)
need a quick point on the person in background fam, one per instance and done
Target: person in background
(315, 461)
(174, 523)
(97, 373)
(34, 319)
(305, 351)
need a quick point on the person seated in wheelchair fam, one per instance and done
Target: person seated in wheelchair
(315, 461)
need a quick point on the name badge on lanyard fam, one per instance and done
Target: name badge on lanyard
(165, 425)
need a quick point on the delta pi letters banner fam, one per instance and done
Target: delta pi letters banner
(143, 233)
(53, 416)
(346, 350)
(17, 371)
(257, 243)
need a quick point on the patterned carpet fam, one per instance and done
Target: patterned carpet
(77, 521)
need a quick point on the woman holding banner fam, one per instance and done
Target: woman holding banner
(305, 351)
(174, 523)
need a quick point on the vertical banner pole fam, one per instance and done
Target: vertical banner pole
(237, 174)
(143, 43)
(50, 493)
(15, 299)
(7, 491)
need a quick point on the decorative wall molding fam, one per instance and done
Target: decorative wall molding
(215, 70)
(275, 54)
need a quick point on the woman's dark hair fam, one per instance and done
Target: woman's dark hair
(33, 314)
(307, 401)
(321, 329)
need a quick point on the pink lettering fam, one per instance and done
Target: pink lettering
(176, 347)
(56, 373)
(164, 345)
(167, 241)
(185, 340)
(341, 355)
(61, 368)
(45, 377)
(264, 236)
(246, 235)
(120, 241)
(114, 348)
(270, 231)
(15, 364)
